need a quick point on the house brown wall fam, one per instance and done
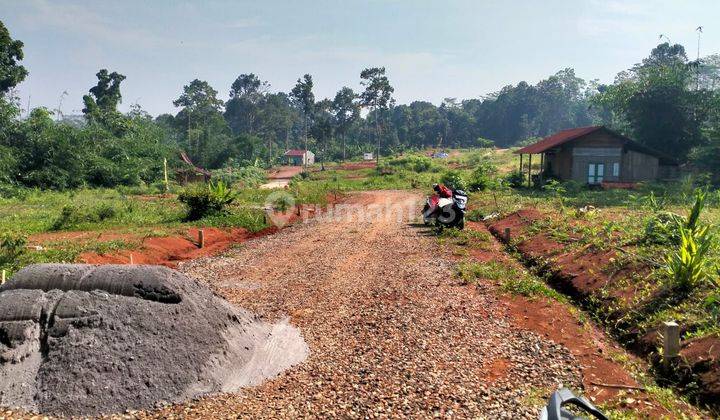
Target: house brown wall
(634, 166)
(638, 167)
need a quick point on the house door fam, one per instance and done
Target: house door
(596, 173)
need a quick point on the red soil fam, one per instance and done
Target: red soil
(584, 272)
(169, 250)
(555, 321)
(351, 166)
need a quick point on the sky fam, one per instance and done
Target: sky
(431, 49)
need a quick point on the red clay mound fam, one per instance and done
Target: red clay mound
(169, 250)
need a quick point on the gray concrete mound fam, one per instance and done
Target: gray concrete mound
(83, 340)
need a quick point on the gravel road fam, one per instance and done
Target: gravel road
(391, 332)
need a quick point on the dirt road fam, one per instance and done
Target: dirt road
(389, 329)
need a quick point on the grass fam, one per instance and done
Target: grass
(122, 212)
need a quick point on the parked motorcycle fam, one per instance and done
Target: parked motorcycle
(446, 208)
(562, 398)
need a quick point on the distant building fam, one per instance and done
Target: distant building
(300, 157)
(368, 156)
(596, 155)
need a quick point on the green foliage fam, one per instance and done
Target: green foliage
(11, 249)
(203, 200)
(515, 179)
(71, 216)
(688, 266)
(413, 163)
(11, 73)
(454, 179)
(482, 178)
(241, 176)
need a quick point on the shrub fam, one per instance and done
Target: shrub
(71, 216)
(515, 179)
(202, 200)
(688, 266)
(453, 180)
(413, 163)
(481, 178)
(11, 249)
(242, 176)
(666, 227)
(68, 217)
(663, 228)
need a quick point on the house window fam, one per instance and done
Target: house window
(596, 173)
(616, 169)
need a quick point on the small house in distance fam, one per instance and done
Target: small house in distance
(368, 156)
(596, 155)
(300, 157)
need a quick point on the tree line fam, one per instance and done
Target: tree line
(666, 101)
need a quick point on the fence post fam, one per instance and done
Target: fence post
(201, 238)
(507, 235)
(671, 342)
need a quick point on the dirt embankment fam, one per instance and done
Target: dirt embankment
(593, 278)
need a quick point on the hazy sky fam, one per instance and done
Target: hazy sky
(431, 49)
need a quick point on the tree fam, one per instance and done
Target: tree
(304, 100)
(206, 132)
(323, 127)
(242, 111)
(101, 104)
(377, 96)
(654, 103)
(11, 73)
(346, 113)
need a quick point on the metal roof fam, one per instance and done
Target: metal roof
(565, 136)
(561, 137)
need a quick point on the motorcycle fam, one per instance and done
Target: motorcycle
(560, 399)
(446, 208)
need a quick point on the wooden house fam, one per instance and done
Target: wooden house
(596, 155)
(300, 157)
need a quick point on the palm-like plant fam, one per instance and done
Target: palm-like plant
(688, 266)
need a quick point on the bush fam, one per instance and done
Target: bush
(688, 266)
(413, 163)
(71, 216)
(241, 176)
(11, 249)
(515, 179)
(454, 180)
(663, 228)
(202, 200)
(481, 178)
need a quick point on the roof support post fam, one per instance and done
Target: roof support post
(530, 170)
(542, 167)
(521, 156)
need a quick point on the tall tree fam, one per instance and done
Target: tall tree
(655, 104)
(377, 96)
(206, 131)
(242, 111)
(102, 102)
(346, 112)
(304, 99)
(11, 72)
(323, 127)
